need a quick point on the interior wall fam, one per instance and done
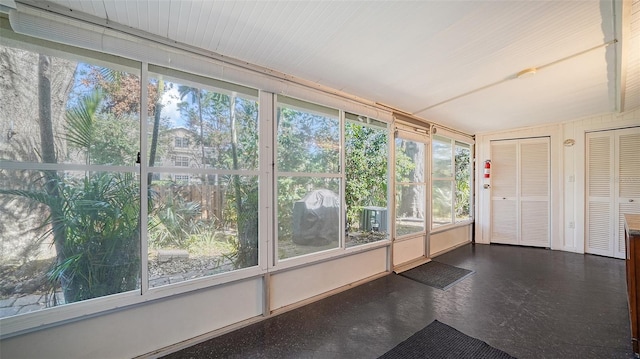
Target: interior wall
(449, 239)
(567, 174)
(408, 250)
(292, 286)
(148, 327)
(143, 328)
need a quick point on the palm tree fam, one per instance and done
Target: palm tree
(94, 219)
(196, 96)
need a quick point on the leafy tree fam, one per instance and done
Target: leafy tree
(196, 96)
(94, 219)
(408, 153)
(228, 124)
(463, 168)
(366, 167)
(306, 143)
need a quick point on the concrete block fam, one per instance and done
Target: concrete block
(165, 255)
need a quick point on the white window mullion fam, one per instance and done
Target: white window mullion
(266, 181)
(453, 181)
(518, 193)
(144, 173)
(343, 182)
(273, 246)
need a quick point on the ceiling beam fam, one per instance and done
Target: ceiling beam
(622, 18)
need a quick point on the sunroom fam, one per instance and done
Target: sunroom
(208, 165)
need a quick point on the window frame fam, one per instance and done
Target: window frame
(316, 109)
(181, 161)
(350, 117)
(36, 320)
(455, 141)
(199, 67)
(181, 142)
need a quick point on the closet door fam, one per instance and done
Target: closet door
(520, 190)
(504, 192)
(628, 175)
(534, 192)
(600, 192)
(520, 180)
(613, 188)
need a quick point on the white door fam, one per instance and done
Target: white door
(520, 192)
(613, 188)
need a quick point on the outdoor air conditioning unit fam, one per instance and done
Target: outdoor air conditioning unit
(374, 219)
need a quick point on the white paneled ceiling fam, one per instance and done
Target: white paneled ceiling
(417, 56)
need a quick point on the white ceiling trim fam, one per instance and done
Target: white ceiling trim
(403, 54)
(88, 34)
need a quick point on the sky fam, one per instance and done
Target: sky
(170, 100)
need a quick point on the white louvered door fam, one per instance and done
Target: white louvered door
(613, 188)
(534, 192)
(628, 184)
(520, 181)
(600, 172)
(504, 192)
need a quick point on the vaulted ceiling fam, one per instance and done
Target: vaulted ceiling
(452, 62)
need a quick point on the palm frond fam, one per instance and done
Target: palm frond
(81, 124)
(110, 75)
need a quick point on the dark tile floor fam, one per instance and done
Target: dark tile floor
(529, 302)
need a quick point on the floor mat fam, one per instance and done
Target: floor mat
(437, 275)
(440, 341)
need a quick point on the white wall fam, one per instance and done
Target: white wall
(567, 175)
(292, 286)
(143, 328)
(147, 327)
(449, 239)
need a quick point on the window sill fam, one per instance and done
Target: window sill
(448, 227)
(50, 317)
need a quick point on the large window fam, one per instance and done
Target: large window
(203, 216)
(313, 211)
(308, 178)
(72, 169)
(69, 185)
(115, 188)
(410, 156)
(366, 186)
(451, 182)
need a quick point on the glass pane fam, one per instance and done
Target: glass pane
(308, 215)
(442, 151)
(463, 182)
(442, 200)
(201, 128)
(199, 226)
(409, 209)
(366, 154)
(409, 161)
(67, 237)
(87, 114)
(307, 141)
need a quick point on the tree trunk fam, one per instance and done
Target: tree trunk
(157, 112)
(247, 221)
(413, 198)
(204, 193)
(48, 153)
